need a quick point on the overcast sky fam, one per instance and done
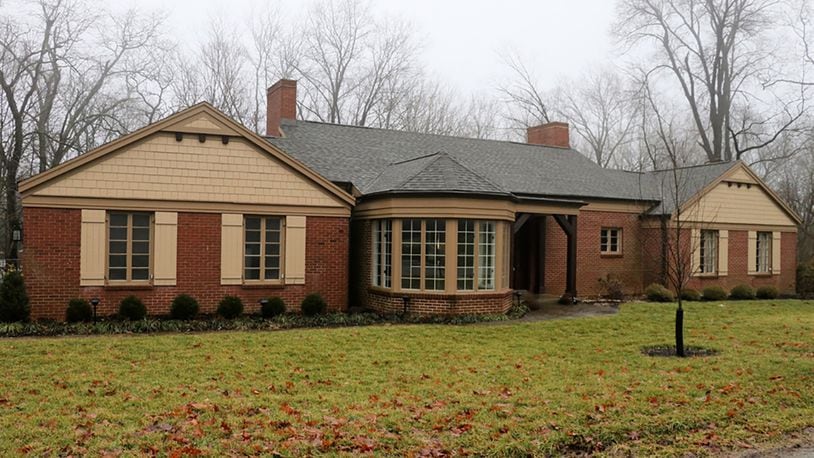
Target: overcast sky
(463, 39)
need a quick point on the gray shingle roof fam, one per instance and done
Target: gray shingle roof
(380, 160)
(691, 181)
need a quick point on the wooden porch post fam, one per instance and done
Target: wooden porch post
(569, 226)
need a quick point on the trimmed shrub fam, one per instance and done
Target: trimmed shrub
(313, 304)
(184, 307)
(13, 298)
(612, 288)
(766, 292)
(230, 307)
(274, 306)
(805, 280)
(689, 294)
(658, 293)
(742, 292)
(714, 293)
(132, 308)
(79, 310)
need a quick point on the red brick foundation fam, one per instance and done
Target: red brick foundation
(440, 304)
(51, 266)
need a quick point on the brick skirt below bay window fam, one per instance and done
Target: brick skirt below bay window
(440, 304)
(50, 263)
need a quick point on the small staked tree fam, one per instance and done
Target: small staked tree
(676, 247)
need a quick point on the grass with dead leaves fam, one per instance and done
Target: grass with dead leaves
(550, 387)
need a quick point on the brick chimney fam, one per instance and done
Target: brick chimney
(551, 134)
(281, 103)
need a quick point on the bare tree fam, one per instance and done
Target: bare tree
(63, 72)
(602, 112)
(715, 51)
(528, 103)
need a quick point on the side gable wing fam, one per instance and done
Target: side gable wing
(216, 160)
(739, 197)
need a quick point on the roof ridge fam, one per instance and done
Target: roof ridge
(485, 140)
(708, 164)
(414, 158)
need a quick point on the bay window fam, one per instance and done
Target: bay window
(382, 253)
(476, 270)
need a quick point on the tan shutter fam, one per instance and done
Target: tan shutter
(295, 250)
(695, 246)
(93, 250)
(231, 249)
(165, 248)
(723, 253)
(751, 253)
(776, 253)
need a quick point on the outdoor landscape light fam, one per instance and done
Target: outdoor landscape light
(94, 302)
(262, 303)
(406, 300)
(517, 295)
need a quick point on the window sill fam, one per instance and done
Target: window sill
(611, 255)
(761, 274)
(129, 286)
(711, 276)
(261, 285)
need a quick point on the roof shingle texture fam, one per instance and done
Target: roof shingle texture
(381, 160)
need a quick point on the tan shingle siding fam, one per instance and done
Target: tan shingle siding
(161, 168)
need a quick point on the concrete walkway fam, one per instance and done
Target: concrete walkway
(547, 308)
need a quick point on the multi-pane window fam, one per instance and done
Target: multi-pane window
(764, 252)
(382, 253)
(262, 245)
(466, 255)
(610, 241)
(435, 254)
(411, 254)
(709, 252)
(128, 246)
(486, 255)
(476, 269)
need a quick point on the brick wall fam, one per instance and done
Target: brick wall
(591, 264)
(737, 262)
(738, 266)
(51, 266)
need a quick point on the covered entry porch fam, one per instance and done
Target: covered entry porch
(531, 233)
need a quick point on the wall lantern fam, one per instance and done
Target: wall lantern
(16, 235)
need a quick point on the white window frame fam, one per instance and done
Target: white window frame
(606, 236)
(708, 247)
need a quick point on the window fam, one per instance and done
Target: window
(262, 244)
(435, 254)
(709, 252)
(411, 254)
(423, 254)
(128, 249)
(476, 270)
(610, 241)
(764, 252)
(382, 252)
(466, 255)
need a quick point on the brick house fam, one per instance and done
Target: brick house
(388, 220)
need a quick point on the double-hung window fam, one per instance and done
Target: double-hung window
(128, 247)
(709, 252)
(476, 255)
(763, 261)
(262, 249)
(382, 253)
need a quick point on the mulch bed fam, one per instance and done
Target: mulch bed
(670, 350)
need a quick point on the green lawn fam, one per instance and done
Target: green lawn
(545, 387)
